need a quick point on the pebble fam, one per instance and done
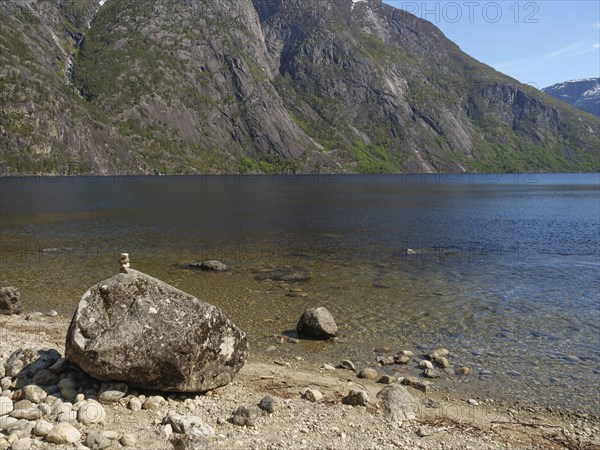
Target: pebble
(406, 353)
(401, 359)
(95, 441)
(442, 352)
(385, 360)
(246, 415)
(21, 444)
(328, 367)
(387, 379)
(112, 392)
(347, 364)
(27, 414)
(134, 404)
(42, 428)
(416, 383)
(432, 373)
(153, 402)
(368, 373)
(128, 440)
(91, 412)
(268, 404)
(63, 433)
(473, 402)
(312, 395)
(34, 394)
(424, 364)
(67, 417)
(442, 362)
(356, 398)
(422, 432)
(462, 370)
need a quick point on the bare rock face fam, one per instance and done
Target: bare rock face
(10, 301)
(317, 323)
(140, 330)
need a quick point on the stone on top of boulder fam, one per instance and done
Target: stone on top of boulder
(137, 329)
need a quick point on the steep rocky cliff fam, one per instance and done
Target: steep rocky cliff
(189, 86)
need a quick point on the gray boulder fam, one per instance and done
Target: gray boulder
(10, 301)
(210, 266)
(396, 403)
(140, 330)
(317, 323)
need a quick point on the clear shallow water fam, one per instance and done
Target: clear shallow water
(505, 271)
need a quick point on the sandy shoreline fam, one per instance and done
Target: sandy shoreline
(443, 420)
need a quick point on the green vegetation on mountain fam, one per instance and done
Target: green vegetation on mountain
(264, 86)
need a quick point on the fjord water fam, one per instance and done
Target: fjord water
(502, 269)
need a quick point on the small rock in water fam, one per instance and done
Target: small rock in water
(356, 398)
(401, 359)
(246, 415)
(317, 323)
(268, 404)
(387, 379)
(442, 352)
(442, 362)
(312, 395)
(406, 353)
(462, 370)
(368, 373)
(213, 266)
(385, 360)
(347, 364)
(432, 373)
(424, 364)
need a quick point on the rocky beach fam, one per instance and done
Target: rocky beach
(273, 403)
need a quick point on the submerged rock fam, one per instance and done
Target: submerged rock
(210, 266)
(317, 323)
(289, 274)
(140, 330)
(10, 301)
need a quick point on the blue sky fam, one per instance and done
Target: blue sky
(536, 42)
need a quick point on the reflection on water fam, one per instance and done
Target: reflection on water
(503, 271)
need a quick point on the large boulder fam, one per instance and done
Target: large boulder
(396, 404)
(317, 323)
(140, 330)
(10, 301)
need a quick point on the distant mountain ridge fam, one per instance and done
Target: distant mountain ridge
(205, 86)
(582, 94)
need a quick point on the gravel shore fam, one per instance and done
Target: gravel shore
(442, 420)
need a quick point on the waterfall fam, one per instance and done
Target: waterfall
(71, 59)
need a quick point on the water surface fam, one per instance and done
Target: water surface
(502, 269)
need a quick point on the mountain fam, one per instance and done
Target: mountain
(582, 94)
(203, 86)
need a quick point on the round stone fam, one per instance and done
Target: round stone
(368, 373)
(34, 394)
(91, 412)
(63, 433)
